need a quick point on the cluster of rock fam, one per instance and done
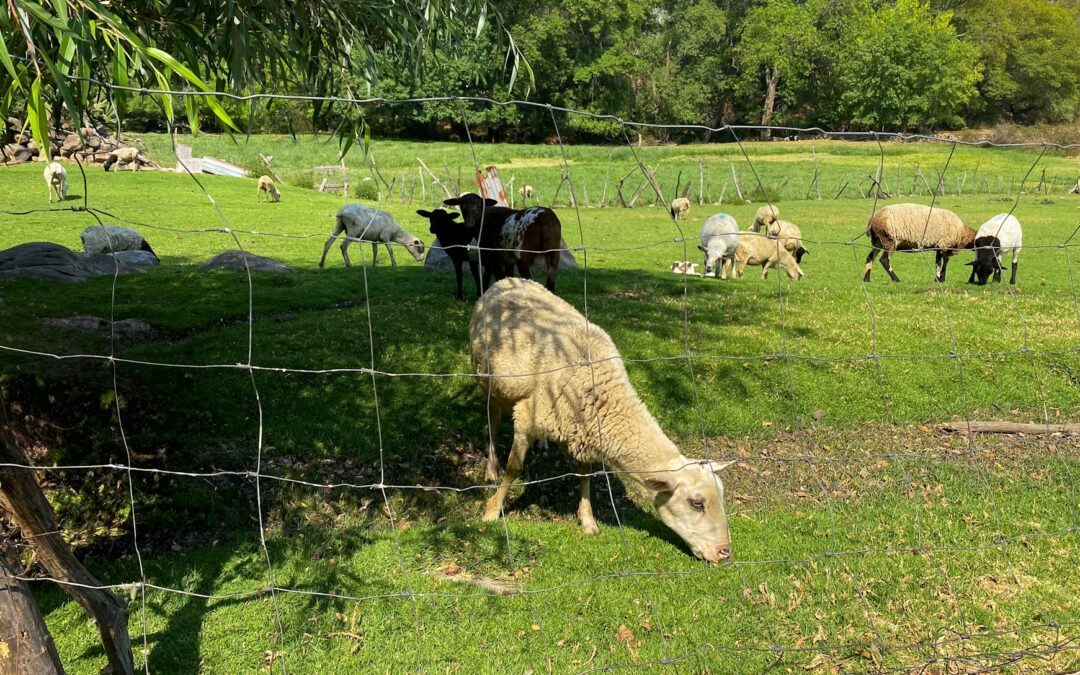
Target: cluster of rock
(87, 145)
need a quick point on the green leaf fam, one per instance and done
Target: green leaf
(166, 99)
(37, 117)
(192, 111)
(8, 65)
(194, 79)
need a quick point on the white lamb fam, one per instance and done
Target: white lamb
(719, 242)
(268, 189)
(56, 179)
(757, 249)
(113, 239)
(1000, 235)
(680, 206)
(562, 380)
(526, 191)
(122, 157)
(363, 223)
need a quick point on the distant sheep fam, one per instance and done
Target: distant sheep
(510, 237)
(364, 223)
(719, 243)
(122, 157)
(683, 267)
(56, 180)
(113, 239)
(268, 189)
(562, 380)
(680, 207)
(767, 219)
(1000, 235)
(458, 240)
(757, 249)
(914, 227)
(526, 192)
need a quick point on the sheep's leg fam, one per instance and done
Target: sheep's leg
(474, 269)
(584, 509)
(869, 264)
(390, 250)
(491, 471)
(524, 265)
(1015, 261)
(945, 255)
(514, 463)
(886, 262)
(374, 252)
(346, 240)
(997, 270)
(329, 243)
(553, 268)
(765, 269)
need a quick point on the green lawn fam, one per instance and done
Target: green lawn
(863, 538)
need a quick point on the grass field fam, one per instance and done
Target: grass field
(864, 540)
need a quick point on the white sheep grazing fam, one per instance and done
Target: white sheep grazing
(719, 242)
(914, 227)
(267, 189)
(1000, 235)
(123, 156)
(113, 239)
(757, 249)
(364, 223)
(526, 191)
(562, 380)
(56, 179)
(680, 207)
(767, 219)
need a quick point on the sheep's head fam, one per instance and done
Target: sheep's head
(793, 270)
(472, 206)
(439, 219)
(690, 500)
(712, 258)
(416, 247)
(985, 262)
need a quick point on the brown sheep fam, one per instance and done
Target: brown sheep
(914, 227)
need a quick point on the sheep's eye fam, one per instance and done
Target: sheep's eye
(698, 505)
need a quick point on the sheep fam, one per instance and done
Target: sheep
(459, 242)
(719, 242)
(113, 239)
(757, 249)
(511, 237)
(364, 223)
(914, 227)
(268, 189)
(526, 192)
(123, 156)
(562, 380)
(997, 236)
(768, 219)
(683, 267)
(56, 180)
(679, 207)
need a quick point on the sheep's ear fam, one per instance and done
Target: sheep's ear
(426, 214)
(491, 202)
(453, 216)
(701, 248)
(665, 484)
(718, 466)
(453, 201)
(972, 263)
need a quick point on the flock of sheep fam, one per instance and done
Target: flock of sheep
(560, 377)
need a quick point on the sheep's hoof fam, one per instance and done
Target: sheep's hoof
(491, 513)
(590, 528)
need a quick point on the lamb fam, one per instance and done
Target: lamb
(526, 192)
(364, 223)
(914, 227)
(683, 267)
(529, 350)
(459, 242)
(268, 189)
(123, 156)
(56, 180)
(511, 237)
(768, 219)
(680, 207)
(113, 239)
(719, 243)
(997, 236)
(757, 249)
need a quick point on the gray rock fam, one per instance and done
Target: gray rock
(46, 260)
(94, 324)
(437, 259)
(136, 257)
(239, 260)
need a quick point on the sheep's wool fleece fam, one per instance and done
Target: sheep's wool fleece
(110, 239)
(534, 344)
(915, 225)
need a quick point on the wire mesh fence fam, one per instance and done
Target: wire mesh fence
(862, 538)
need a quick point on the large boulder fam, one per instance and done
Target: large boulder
(437, 259)
(46, 260)
(238, 260)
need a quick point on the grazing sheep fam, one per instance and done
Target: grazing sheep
(914, 227)
(113, 239)
(526, 192)
(683, 267)
(719, 242)
(364, 223)
(680, 207)
(997, 236)
(459, 242)
(510, 237)
(562, 380)
(123, 156)
(768, 219)
(56, 180)
(757, 249)
(267, 189)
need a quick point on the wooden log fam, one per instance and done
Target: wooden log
(26, 646)
(435, 178)
(991, 427)
(21, 497)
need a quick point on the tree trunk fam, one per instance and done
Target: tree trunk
(772, 78)
(22, 499)
(26, 647)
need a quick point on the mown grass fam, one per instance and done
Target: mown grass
(827, 389)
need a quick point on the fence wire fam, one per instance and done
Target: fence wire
(635, 574)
